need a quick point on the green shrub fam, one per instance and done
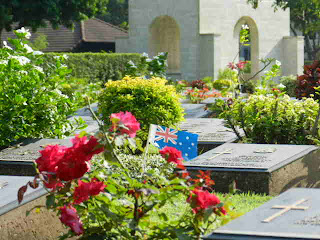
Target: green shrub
(290, 82)
(31, 104)
(148, 67)
(97, 67)
(273, 119)
(81, 90)
(151, 101)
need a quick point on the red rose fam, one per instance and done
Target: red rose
(85, 190)
(50, 157)
(173, 155)
(201, 200)
(125, 122)
(70, 218)
(87, 147)
(52, 182)
(72, 166)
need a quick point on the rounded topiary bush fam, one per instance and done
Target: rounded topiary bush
(151, 101)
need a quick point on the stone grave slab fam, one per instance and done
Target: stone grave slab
(85, 110)
(212, 132)
(295, 214)
(195, 110)
(14, 224)
(19, 160)
(261, 168)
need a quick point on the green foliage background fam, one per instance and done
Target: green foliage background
(96, 66)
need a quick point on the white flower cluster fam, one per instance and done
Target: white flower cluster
(25, 31)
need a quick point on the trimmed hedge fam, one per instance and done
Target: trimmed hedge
(96, 66)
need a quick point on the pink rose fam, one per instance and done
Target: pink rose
(241, 65)
(125, 122)
(85, 190)
(231, 65)
(173, 155)
(70, 218)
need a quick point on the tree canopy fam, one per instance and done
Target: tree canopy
(35, 13)
(117, 13)
(304, 17)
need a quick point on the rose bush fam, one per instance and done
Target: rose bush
(98, 196)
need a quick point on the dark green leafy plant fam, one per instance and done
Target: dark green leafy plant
(31, 104)
(96, 67)
(290, 82)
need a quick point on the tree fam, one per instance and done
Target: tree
(117, 13)
(35, 13)
(304, 17)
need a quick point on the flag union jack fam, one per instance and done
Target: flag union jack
(167, 134)
(186, 142)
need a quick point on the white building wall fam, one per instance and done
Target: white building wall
(208, 21)
(220, 17)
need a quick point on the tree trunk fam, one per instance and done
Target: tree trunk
(1, 43)
(308, 47)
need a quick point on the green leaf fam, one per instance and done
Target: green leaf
(50, 201)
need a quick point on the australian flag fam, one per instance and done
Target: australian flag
(186, 142)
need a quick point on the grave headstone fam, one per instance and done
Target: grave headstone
(14, 224)
(261, 168)
(295, 214)
(195, 110)
(212, 132)
(18, 160)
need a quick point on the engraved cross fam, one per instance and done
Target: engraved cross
(227, 151)
(286, 209)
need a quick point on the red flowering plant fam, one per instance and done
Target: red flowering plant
(200, 91)
(196, 96)
(97, 195)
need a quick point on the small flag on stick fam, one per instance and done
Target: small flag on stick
(186, 142)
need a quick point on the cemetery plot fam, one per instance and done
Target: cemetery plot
(211, 131)
(19, 160)
(14, 224)
(195, 110)
(295, 214)
(262, 168)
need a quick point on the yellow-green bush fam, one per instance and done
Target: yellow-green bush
(151, 101)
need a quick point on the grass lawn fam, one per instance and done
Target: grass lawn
(241, 202)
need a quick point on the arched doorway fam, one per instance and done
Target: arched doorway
(165, 37)
(248, 51)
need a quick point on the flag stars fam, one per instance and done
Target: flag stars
(192, 144)
(180, 143)
(187, 138)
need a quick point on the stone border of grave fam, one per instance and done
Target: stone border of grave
(6, 183)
